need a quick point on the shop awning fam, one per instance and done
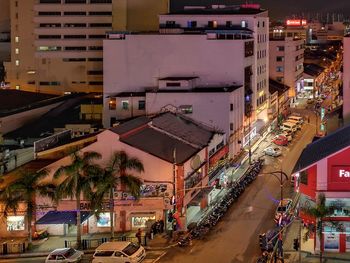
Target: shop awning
(62, 217)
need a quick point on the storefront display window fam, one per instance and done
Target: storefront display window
(331, 242)
(341, 207)
(104, 220)
(15, 223)
(141, 221)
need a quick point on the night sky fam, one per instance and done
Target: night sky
(281, 8)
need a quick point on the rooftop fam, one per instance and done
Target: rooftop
(179, 78)
(212, 89)
(313, 69)
(11, 100)
(161, 134)
(323, 147)
(277, 86)
(249, 9)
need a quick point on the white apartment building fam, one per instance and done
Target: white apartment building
(220, 46)
(57, 44)
(286, 62)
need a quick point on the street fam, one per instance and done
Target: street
(235, 238)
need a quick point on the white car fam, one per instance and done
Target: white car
(64, 255)
(273, 151)
(119, 252)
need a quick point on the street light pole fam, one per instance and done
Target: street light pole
(279, 178)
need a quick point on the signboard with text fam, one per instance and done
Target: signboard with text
(339, 178)
(296, 22)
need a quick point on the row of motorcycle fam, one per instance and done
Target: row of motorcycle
(202, 228)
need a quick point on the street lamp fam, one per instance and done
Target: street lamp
(279, 175)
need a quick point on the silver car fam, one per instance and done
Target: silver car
(273, 151)
(64, 255)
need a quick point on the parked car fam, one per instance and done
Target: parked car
(273, 151)
(280, 140)
(288, 135)
(64, 255)
(121, 252)
(283, 208)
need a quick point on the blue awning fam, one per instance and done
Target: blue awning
(62, 217)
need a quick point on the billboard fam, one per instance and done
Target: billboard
(296, 22)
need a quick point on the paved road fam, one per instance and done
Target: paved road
(235, 238)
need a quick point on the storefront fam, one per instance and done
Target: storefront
(328, 173)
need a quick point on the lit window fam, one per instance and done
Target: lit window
(18, 87)
(112, 103)
(15, 223)
(16, 39)
(186, 109)
(244, 23)
(17, 62)
(125, 104)
(31, 72)
(17, 51)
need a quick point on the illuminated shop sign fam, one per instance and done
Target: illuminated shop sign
(104, 220)
(15, 223)
(296, 22)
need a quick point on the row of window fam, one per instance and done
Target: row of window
(82, 59)
(210, 24)
(71, 48)
(75, 1)
(75, 25)
(262, 38)
(72, 36)
(57, 83)
(261, 84)
(262, 53)
(80, 13)
(262, 23)
(261, 69)
(299, 57)
(261, 100)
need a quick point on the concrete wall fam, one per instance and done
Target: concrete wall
(15, 121)
(214, 61)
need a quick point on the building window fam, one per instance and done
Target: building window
(279, 69)
(186, 109)
(15, 223)
(125, 104)
(279, 79)
(280, 48)
(17, 39)
(231, 126)
(112, 103)
(212, 24)
(263, 24)
(173, 84)
(17, 51)
(244, 23)
(231, 107)
(279, 58)
(142, 104)
(191, 24)
(17, 62)
(249, 48)
(18, 87)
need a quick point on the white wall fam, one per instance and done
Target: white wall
(140, 60)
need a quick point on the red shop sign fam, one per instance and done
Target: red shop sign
(339, 178)
(218, 155)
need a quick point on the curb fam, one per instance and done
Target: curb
(160, 248)
(158, 258)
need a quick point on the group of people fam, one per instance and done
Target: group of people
(157, 227)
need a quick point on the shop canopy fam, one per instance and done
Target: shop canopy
(62, 217)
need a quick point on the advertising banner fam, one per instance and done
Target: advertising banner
(339, 178)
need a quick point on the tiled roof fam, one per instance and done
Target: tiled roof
(130, 125)
(277, 86)
(313, 69)
(160, 144)
(323, 147)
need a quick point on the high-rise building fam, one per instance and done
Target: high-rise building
(57, 44)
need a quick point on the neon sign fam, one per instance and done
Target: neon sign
(296, 22)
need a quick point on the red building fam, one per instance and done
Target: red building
(324, 167)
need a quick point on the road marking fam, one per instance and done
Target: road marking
(159, 257)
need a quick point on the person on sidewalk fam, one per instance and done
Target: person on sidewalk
(138, 235)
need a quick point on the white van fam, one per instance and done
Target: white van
(296, 118)
(119, 252)
(289, 126)
(298, 124)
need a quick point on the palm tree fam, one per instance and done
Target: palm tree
(116, 173)
(23, 190)
(320, 212)
(78, 179)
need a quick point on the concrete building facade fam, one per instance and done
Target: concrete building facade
(286, 62)
(66, 54)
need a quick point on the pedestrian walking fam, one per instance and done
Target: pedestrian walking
(161, 225)
(138, 235)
